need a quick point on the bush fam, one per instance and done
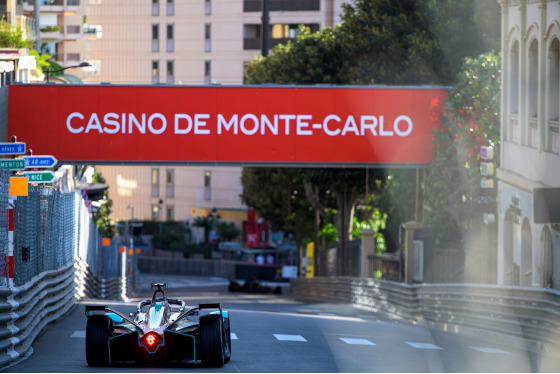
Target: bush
(201, 248)
(170, 240)
(11, 36)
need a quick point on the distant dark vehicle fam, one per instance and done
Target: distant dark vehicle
(253, 286)
(164, 333)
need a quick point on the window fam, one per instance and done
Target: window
(533, 138)
(207, 185)
(155, 7)
(207, 7)
(170, 42)
(155, 72)
(155, 38)
(170, 72)
(155, 182)
(553, 97)
(170, 183)
(207, 72)
(207, 38)
(169, 216)
(513, 135)
(170, 8)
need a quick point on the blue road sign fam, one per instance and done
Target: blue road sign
(40, 161)
(12, 148)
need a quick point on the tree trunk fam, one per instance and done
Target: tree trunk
(344, 217)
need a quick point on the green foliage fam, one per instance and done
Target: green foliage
(386, 42)
(471, 118)
(376, 221)
(169, 240)
(50, 28)
(383, 42)
(328, 234)
(12, 36)
(227, 231)
(278, 195)
(101, 217)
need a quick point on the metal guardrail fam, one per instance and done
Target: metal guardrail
(26, 310)
(528, 316)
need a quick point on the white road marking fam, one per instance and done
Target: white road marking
(423, 345)
(233, 336)
(327, 314)
(291, 338)
(78, 334)
(490, 350)
(356, 341)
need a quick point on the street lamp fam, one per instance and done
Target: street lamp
(160, 213)
(81, 65)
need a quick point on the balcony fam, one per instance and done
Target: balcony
(51, 34)
(255, 43)
(55, 6)
(282, 5)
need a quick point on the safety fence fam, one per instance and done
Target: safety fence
(51, 255)
(528, 317)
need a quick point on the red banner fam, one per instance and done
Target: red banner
(241, 125)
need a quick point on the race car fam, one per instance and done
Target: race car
(164, 332)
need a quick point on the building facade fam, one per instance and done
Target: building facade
(185, 42)
(528, 235)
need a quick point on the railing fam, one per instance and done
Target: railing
(534, 138)
(514, 128)
(255, 43)
(553, 138)
(528, 316)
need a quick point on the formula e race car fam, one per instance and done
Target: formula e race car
(164, 333)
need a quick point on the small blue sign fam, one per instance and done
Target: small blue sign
(12, 148)
(40, 161)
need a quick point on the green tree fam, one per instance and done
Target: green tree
(471, 118)
(227, 231)
(279, 195)
(382, 42)
(101, 217)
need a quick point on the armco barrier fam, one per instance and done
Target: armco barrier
(26, 310)
(529, 317)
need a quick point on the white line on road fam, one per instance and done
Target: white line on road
(490, 350)
(291, 338)
(356, 341)
(78, 334)
(423, 345)
(233, 336)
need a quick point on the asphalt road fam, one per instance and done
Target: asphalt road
(284, 334)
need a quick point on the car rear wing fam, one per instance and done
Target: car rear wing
(103, 310)
(95, 309)
(211, 306)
